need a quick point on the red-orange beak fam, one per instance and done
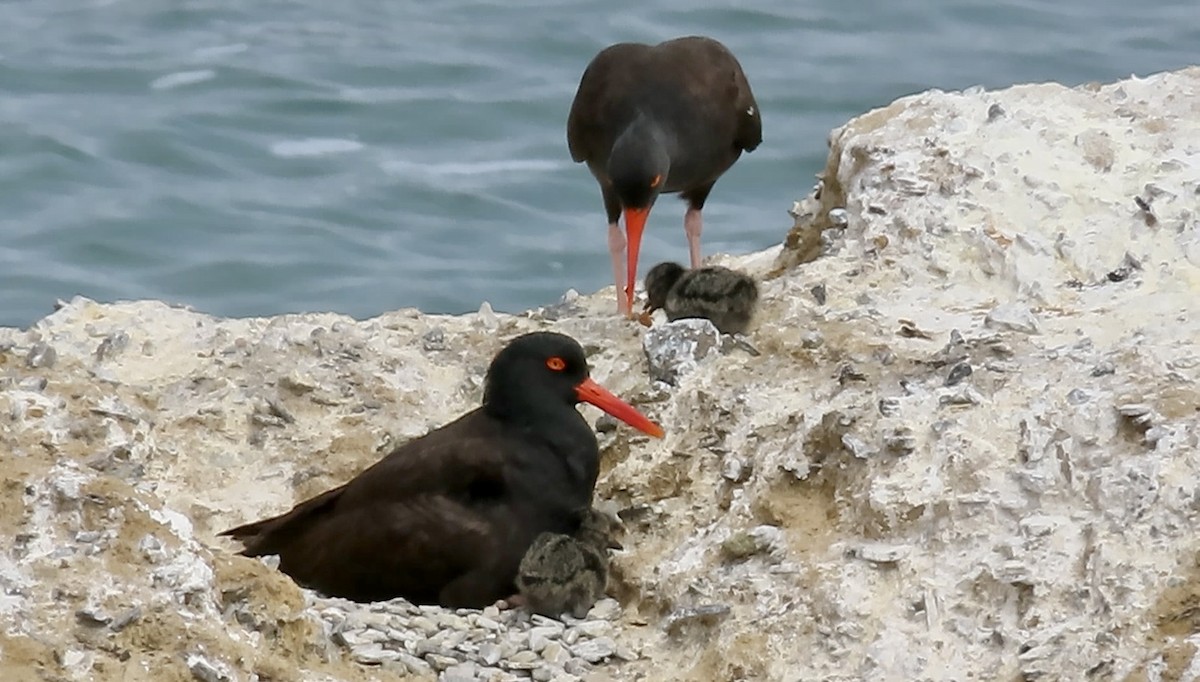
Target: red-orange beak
(635, 223)
(591, 392)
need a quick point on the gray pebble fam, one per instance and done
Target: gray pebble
(544, 622)
(957, 373)
(594, 628)
(41, 355)
(205, 671)
(594, 650)
(415, 665)
(526, 660)
(441, 662)
(425, 625)
(554, 652)
(463, 672)
(489, 653)
(538, 642)
(575, 666)
(373, 654)
(543, 674)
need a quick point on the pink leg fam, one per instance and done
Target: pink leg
(616, 248)
(692, 227)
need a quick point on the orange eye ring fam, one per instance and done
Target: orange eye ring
(556, 363)
(656, 181)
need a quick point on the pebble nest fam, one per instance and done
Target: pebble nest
(472, 644)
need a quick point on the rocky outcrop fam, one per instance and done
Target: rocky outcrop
(968, 441)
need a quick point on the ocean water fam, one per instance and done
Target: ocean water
(259, 157)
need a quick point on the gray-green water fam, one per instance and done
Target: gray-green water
(252, 158)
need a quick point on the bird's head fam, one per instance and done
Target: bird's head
(539, 372)
(638, 167)
(659, 281)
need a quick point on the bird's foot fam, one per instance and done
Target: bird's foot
(515, 601)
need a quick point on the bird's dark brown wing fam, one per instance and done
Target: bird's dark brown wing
(417, 520)
(716, 80)
(603, 91)
(749, 125)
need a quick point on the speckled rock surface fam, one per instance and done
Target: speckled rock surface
(967, 449)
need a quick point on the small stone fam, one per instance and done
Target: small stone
(93, 617)
(376, 621)
(204, 670)
(434, 339)
(489, 653)
(426, 626)
(1078, 396)
(594, 628)
(542, 674)
(415, 665)
(537, 642)
(594, 650)
(427, 646)
(957, 373)
(41, 355)
(812, 339)
(818, 294)
(889, 407)
(542, 621)
(525, 660)
(125, 619)
(546, 631)
(297, 383)
(994, 112)
(440, 661)
(555, 652)
(706, 614)
(675, 349)
(880, 553)
(570, 636)
(626, 653)
(605, 609)
(71, 658)
(463, 672)
(734, 469)
(606, 423)
(1103, 369)
(575, 666)
(491, 612)
(487, 317)
(759, 540)
(373, 654)
(1012, 317)
(487, 623)
(838, 217)
(112, 345)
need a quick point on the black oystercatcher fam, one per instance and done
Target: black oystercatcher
(568, 573)
(725, 297)
(447, 517)
(668, 118)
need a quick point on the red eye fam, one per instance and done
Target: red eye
(656, 181)
(556, 363)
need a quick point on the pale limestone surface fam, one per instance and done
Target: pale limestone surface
(852, 503)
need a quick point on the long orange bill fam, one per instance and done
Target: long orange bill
(591, 392)
(635, 223)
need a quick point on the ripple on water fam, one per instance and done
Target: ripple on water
(314, 146)
(180, 79)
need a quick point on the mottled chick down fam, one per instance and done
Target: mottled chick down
(569, 573)
(725, 297)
